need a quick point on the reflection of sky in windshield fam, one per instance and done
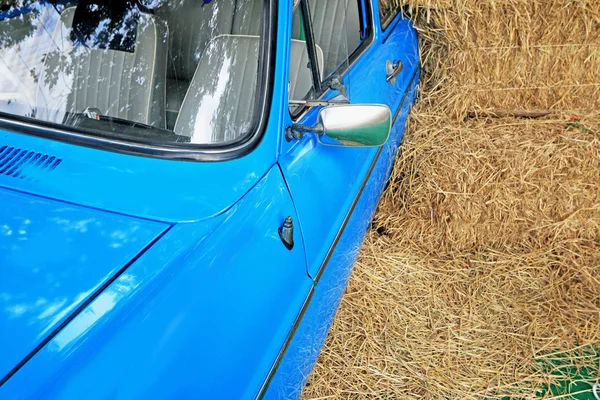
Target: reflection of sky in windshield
(221, 103)
(210, 105)
(44, 74)
(52, 98)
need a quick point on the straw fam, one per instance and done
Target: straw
(483, 261)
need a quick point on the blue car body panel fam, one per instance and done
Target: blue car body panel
(206, 302)
(53, 256)
(324, 198)
(127, 184)
(348, 195)
(197, 315)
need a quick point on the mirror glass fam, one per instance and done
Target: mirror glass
(355, 125)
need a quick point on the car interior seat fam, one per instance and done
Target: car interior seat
(336, 29)
(117, 67)
(300, 80)
(192, 25)
(219, 103)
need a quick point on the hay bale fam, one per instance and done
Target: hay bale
(506, 54)
(489, 259)
(485, 258)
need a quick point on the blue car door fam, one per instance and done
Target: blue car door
(326, 182)
(336, 189)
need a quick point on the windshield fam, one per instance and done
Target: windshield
(158, 70)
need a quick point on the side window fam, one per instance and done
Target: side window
(336, 29)
(387, 12)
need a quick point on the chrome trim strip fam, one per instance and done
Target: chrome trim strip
(286, 345)
(412, 80)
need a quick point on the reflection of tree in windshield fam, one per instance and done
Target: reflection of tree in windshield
(52, 61)
(25, 34)
(51, 75)
(106, 24)
(223, 90)
(90, 72)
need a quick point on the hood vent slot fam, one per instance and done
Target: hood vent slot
(16, 162)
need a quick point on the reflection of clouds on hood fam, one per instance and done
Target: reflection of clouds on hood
(95, 311)
(53, 257)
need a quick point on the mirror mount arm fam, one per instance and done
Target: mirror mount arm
(317, 103)
(335, 82)
(297, 131)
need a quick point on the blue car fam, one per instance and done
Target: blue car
(185, 186)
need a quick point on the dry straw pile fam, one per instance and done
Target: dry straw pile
(484, 259)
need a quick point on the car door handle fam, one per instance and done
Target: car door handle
(393, 70)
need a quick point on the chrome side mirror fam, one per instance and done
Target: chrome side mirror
(355, 125)
(349, 125)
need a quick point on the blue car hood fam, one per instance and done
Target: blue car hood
(53, 256)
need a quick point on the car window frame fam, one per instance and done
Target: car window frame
(211, 152)
(369, 33)
(385, 23)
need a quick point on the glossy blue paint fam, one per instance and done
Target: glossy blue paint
(323, 199)
(201, 314)
(189, 191)
(53, 256)
(308, 340)
(216, 307)
(343, 238)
